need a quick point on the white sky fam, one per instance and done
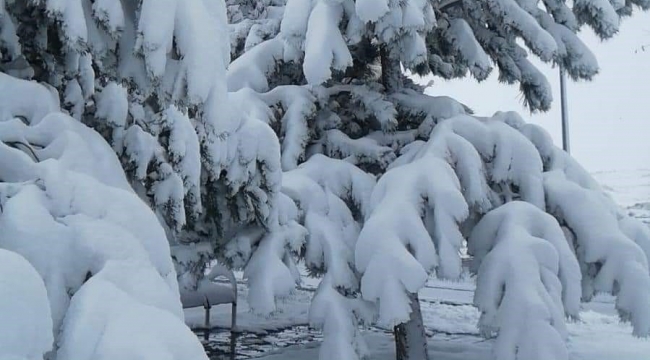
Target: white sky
(609, 118)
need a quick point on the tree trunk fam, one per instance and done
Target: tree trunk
(410, 338)
(391, 71)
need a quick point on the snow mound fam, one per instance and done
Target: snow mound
(25, 319)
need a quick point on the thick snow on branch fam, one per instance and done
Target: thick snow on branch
(337, 315)
(253, 67)
(327, 191)
(513, 15)
(509, 157)
(396, 250)
(25, 107)
(363, 150)
(611, 261)
(613, 249)
(248, 169)
(599, 14)
(325, 47)
(553, 158)
(431, 108)
(271, 271)
(342, 179)
(322, 188)
(469, 48)
(129, 328)
(294, 26)
(528, 278)
(316, 221)
(298, 105)
(530, 264)
(25, 319)
(100, 251)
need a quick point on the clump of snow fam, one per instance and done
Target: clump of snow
(252, 68)
(129, 329)
(113, 105)
(325, 47)
(25, 319)
(504, 185)
(322, 199)
(396, 249)
(611, 262)
(524, 298)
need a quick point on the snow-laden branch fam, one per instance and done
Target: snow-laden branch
(99, 251)
(328, 192)
(528, 279)
(611, 261)
(397, 249)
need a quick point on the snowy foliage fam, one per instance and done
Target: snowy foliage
(150, 76)
(491, 182)
(446, 38)
(540, 284)
(98, 255)
(327, 77)
(310, 145)
(322, 199)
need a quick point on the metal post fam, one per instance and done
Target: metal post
(233, 331)
(206, 334)
(565, 112)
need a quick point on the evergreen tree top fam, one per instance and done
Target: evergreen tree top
(447, 38)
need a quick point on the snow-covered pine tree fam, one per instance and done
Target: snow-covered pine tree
(331, 83)
(83, 259)
(149, 75)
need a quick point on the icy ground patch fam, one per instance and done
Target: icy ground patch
(449, 317)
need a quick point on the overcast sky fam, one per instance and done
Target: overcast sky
(609, 117)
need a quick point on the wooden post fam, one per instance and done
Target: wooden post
(207, 306)
(233, 331)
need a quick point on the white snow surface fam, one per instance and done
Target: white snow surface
(25, 319)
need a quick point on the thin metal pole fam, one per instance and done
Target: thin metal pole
(206, 334)
(565, 112)
(233, 331)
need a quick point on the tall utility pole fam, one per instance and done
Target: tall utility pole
(565, 112)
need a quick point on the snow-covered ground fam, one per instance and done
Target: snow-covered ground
(448, 314)
(631, 189)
